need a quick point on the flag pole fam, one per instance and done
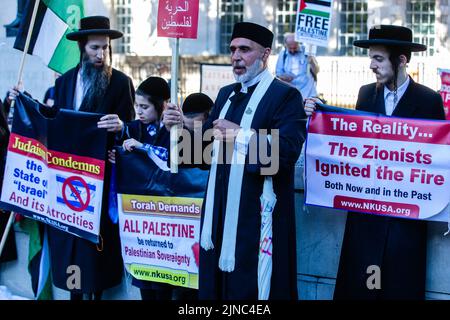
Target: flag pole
(19, 80)
(174, 99)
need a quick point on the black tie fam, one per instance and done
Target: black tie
(238, 96)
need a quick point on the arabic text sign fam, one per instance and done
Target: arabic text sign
(381, 165)
(178, 18)
(445, 90)
(313, 22)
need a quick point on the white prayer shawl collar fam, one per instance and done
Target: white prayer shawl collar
(255, 80)
(227, 255)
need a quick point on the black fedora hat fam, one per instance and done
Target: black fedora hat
(392, 36)
(94, 25)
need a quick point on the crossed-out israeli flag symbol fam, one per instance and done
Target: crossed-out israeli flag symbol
(77, 196)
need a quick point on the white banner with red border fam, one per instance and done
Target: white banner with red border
(379, 165)
(55, 169)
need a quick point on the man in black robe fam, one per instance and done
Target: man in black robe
(93, 86)
(277, 108)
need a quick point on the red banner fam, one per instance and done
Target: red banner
(445, 91)
(178, 18)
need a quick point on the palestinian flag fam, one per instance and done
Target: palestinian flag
(313, 22)
(319, 8)
(38, 259)
(55, 18)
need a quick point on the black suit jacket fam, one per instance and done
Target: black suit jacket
(119, 97)
(397, 246)
(418, 101)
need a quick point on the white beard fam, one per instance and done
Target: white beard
(251, 72)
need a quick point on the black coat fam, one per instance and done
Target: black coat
(99, 269)
(280, 108)
(137, 130)
(9, 251)
(396, 245)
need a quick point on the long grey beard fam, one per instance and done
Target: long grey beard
(252, 71)
(96, 80)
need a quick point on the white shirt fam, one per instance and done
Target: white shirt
(253, 81)
(79, 92)
(389, 102)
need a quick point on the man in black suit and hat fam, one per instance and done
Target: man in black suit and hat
(238, 260)
(397, 246)
(92, 86)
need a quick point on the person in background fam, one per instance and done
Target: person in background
(297, 68)
(49, 97)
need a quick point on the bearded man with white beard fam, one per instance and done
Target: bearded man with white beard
(231, 211)
(93, 86)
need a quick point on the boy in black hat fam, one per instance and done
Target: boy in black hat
(144, 134)
(396, 246)
(151, 96)
(196, 108)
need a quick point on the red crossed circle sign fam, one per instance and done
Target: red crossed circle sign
(82, 204)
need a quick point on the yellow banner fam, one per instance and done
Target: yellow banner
(166, 206)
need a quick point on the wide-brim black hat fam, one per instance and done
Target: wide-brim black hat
(197, 103)
(391, 36)
(94, 25)
(254, 32)
(155, 87)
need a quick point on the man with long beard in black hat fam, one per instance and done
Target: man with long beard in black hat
(397, 246)
(243, 256)
(92, 86)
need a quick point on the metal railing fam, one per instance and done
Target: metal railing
(338, 82)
